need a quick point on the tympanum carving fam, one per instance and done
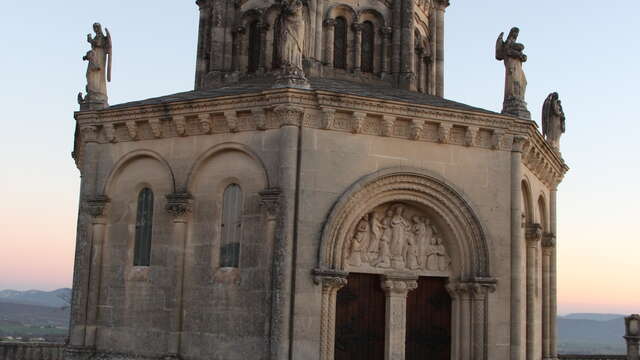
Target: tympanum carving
(397, 237)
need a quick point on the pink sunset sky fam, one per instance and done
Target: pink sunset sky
(154, 43)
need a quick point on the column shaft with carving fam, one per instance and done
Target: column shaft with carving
(330, 25)
(331, 281)
(179, 206)
(271, 208)
(396, 289)
(441, 6)
(203, 46)
(97, 211)
(479, 293)
(517, 254)
(407, 77)
(385, 34)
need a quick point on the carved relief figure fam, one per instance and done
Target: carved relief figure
(359, 242)
(99, 66)
(511, 52)
(553, 120)
(292, 34)
(386, 238)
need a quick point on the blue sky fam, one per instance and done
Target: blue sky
(586, 50)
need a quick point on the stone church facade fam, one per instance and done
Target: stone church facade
(353, 213)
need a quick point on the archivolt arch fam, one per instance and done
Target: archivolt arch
(221, 148)
(127, 158)
(416, 186)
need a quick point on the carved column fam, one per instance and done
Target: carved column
(318, 21)
(86, 159)
(479, 294)
(97, 209)
(238, 37)
(396, 43)
(203, 30)
(517, 253)
(441, 6)
(385, 34)
(533, 236)
(452, 289)
(548, 247)
(465, 321)
(357, 45)
(396, 288)
(290, 118)
(553, 276)
(179, 206)
(433, 39)
(264, 29)
(332, 281)
(407, 77)
(330, 24)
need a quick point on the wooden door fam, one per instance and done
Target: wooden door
(429, 321)
(360, 319)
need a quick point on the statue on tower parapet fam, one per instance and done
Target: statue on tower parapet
(553, 120)
(511, 52)
(98, 70)
(291, 37)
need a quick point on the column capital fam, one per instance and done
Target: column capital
(290, 115)
(518, 143)
(329, 278)
(270, 202)
(179, 205)
(399, 285)
(533, 233)
(97, 206)
(330, 22)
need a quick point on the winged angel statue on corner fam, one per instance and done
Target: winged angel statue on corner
(511, 52)
(553, 120)
(99, 67)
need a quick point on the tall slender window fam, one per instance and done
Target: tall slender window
(144, 225)
(277, 47)
(231, 226)
(367, 47)
(340, 44)
(254, 46)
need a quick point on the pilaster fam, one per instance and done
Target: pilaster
(396, 288)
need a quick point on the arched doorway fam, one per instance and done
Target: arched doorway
(416, 237)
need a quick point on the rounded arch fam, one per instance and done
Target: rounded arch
(372, 15)
(342, 10)
(133, 155)
(416, 186)
(225, 147)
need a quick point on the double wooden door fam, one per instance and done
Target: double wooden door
(360, 320)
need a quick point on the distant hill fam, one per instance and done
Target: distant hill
(33, 315)
(55, 298)
(593, 316)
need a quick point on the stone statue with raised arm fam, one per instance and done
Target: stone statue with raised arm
(98, 70)
(511, 52)
(291, 37)
(553, 120)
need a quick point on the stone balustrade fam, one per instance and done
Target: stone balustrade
(31, 351)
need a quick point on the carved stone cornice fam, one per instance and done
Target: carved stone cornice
(97, 206)
(329, 277)
(270, 202)
(398, 285)
(179, 205)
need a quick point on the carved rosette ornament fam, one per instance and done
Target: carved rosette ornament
(179, 205)
(397, 237)
(290, 115)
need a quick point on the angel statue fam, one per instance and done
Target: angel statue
(291, 35)
(98, 69)
(511, 52)
(553, 120)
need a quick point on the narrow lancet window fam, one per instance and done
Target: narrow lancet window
(340, 44)
(368, 40)
(254, 46)
(144, 225)
(231, 227)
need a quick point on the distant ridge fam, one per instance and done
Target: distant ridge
(592, 316)
(56, 298)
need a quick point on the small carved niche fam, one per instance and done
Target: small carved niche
(397, 237)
